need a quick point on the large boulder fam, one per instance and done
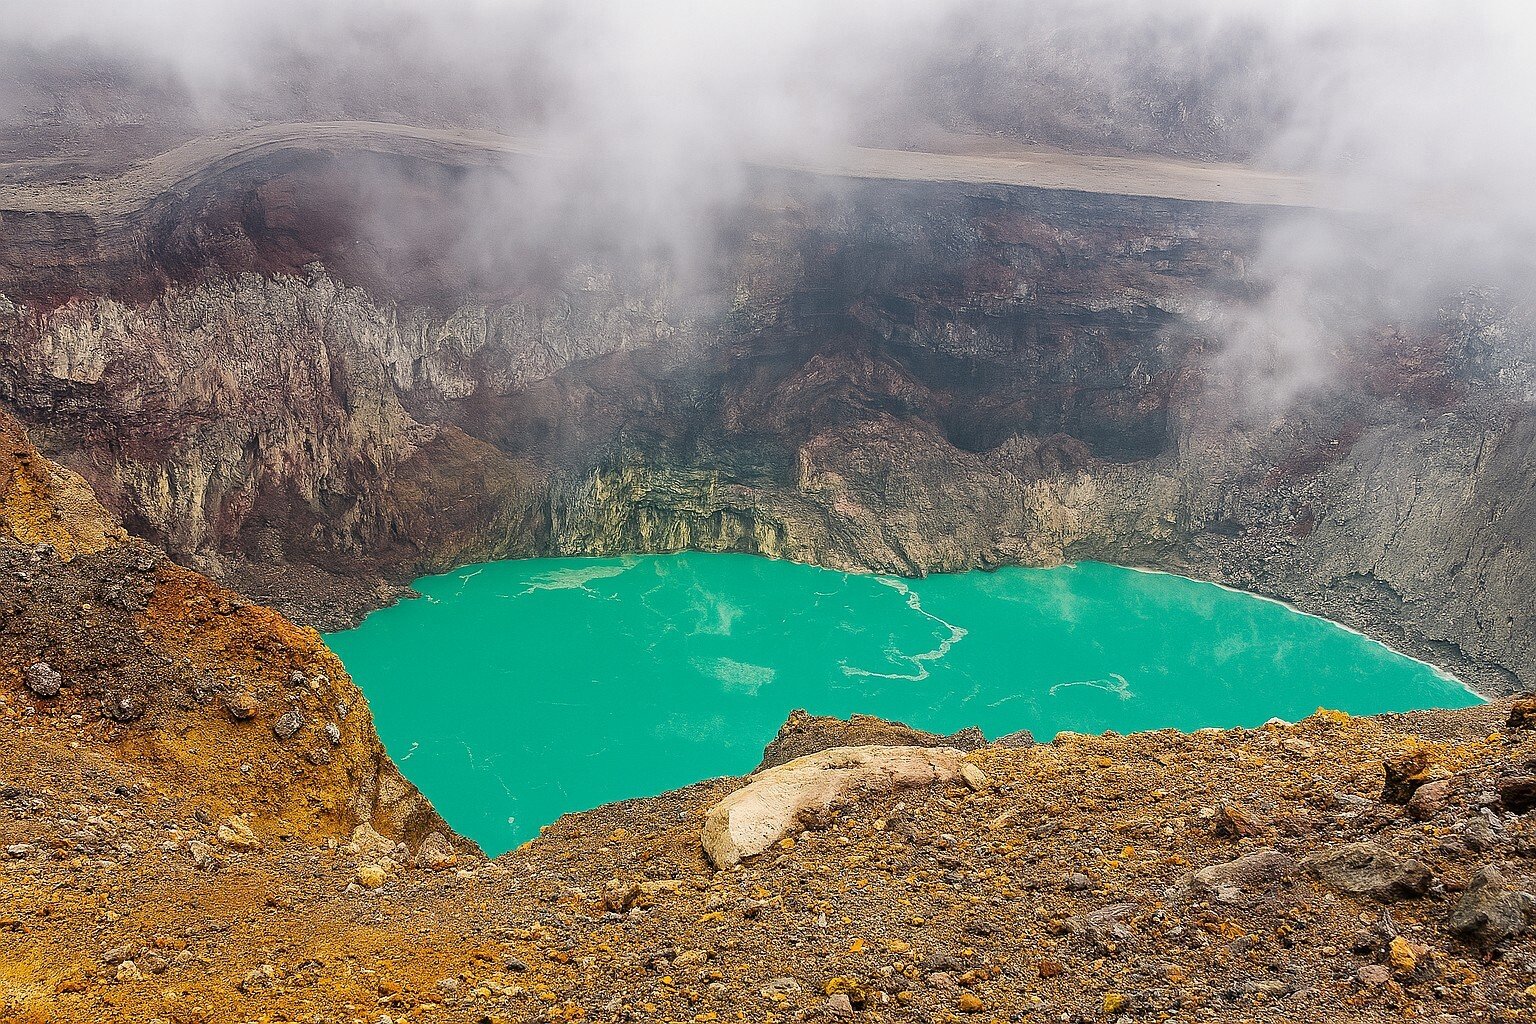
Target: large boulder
(777, 800)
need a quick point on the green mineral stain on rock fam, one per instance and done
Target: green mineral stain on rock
(514, 692)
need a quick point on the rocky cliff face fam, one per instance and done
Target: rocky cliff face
(901, 378)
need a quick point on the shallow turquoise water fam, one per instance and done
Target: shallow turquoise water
(514, 692)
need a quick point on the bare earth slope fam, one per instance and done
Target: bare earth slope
(169, 855)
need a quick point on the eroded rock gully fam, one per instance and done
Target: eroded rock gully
(897, 377)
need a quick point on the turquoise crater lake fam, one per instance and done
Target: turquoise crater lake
(514, 692)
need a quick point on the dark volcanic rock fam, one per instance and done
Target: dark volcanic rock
(1365, 869)
(1254, 874)
(1489, 913)
(1518, 792)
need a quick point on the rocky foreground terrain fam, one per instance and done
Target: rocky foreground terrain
(197, 823)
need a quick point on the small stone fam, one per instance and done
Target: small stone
(839, 1005)
(1429, 800)
(288, 723)
(618, 898)
(436, 853)
(236, 834)
(1522, 713)
(1404, 773)
(124, 707)
(42, 680)
(974, 777)
(1373, 975)
(1234, 823)
(333, 733)
(128, 971)
(1114, 1002)
(969, 1002)
(242, 706)
(1077, 881)
(857, 994)
(368, 843)
(1259, 872)
(1403, 956)
(371, 876)
(258, 978)
(203, 857)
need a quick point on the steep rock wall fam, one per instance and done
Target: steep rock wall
(900, 378)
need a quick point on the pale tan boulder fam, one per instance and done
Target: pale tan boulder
(777, 800)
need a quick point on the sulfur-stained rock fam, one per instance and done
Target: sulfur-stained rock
(436, 853)
(1403, 774)
(1365, 869)
(242, 706)
(1522, 713)
(761, 813)
(371, 876)
(236, 834)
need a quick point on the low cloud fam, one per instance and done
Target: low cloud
(1420, 115)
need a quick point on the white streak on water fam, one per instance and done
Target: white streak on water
(919, 661)
(736, 676)
(577, 577)
(1115, 683)
(414, 747)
